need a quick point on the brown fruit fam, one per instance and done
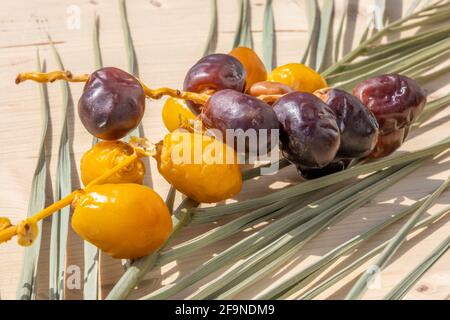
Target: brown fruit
(396, 101)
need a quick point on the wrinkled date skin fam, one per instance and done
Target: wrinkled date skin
(112, 103)
(213, 73)
(357, 124)
(230, 109)
(396, 101)
(309, 134)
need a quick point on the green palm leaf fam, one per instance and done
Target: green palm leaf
(327, 283)
(326, 21)
(268, 35)
(277, 288)
(132, 63)
(313, 18)
(211, 42)
(361, 285)
(27, 284)
(243, 35)
(63, 186)
(401, 289)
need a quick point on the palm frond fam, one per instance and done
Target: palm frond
(26, 289)
(132, 64)
(278, 253)
(379, 10)
(268, 36)
(361, 285)
(243, 34)
(278, 288)
(326, 22)
(327, 283)
(211, 41)
(402, 288)
(63, 186)
(313, 18)
(339, 34)
(304, 222)
(203, 215)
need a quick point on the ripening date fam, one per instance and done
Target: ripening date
(309, 134)
(112, 103)
(396, 101)
(213, 73)
(357, 124)
(232, 110)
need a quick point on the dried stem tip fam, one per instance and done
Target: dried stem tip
(42, 77)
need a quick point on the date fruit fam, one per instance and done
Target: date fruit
(298, 76)
(112, 103)
(309, 132)
(265, 88)
(396, 101)
(213, 73)
(232, 110)
(357, 124)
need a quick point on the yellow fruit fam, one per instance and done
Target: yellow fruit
(106, 155)
(127, 221)
(298, 76)
(174, 112)
(196, 165)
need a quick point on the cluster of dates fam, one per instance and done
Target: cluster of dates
(320, 131)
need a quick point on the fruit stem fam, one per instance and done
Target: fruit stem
(11, 231)
(8, 233)
(44, 77)
(199, 98)
(142, 148)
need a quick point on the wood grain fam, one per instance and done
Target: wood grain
(169, 36)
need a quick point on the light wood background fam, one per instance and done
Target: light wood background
(169, 37)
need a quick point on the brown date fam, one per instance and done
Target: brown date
(213, 73)
(112, 103)
(357, 124)
(235, 111)
(309, 136)
(396, 101)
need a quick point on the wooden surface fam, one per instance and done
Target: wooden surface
(169, 37)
